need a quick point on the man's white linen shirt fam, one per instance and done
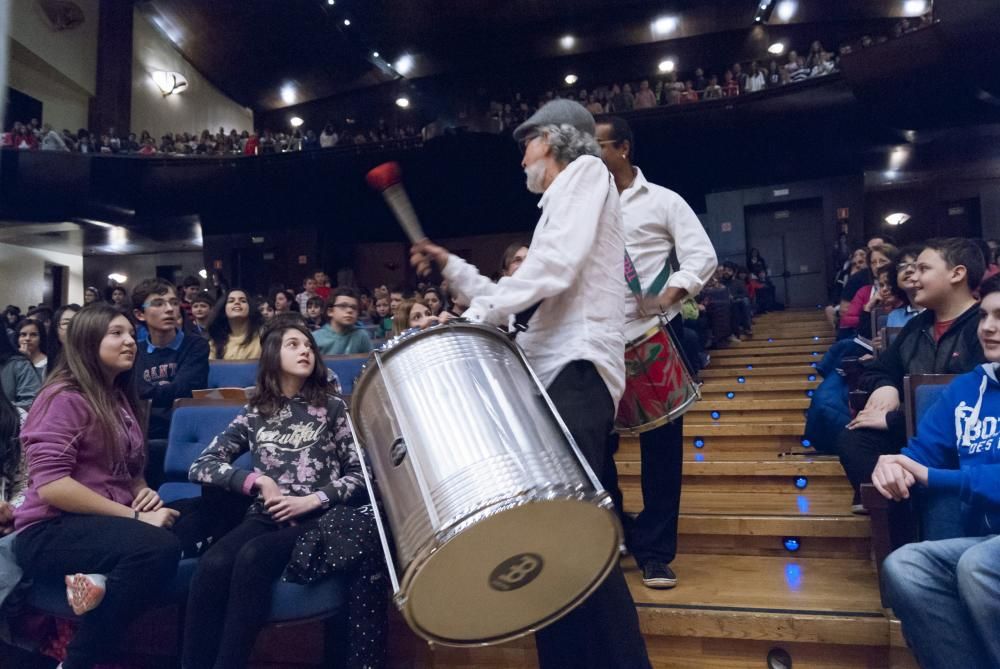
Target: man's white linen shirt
(657, 221)
(575, 268)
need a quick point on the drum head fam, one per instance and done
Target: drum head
(512, 573)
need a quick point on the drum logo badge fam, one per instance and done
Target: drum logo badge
(516, 572)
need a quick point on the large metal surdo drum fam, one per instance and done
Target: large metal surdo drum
(500, 527)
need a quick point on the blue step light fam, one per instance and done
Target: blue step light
(806, 443)
(749, 366)
(816, 338)
(791, 544)
(699, 442)
(801, 482)
(811, 377)
(716, 415)
(809, 393)
(815, 353)
(699, 457)
(770, 340)
(741, 379)
(730, 395)
(812, 364)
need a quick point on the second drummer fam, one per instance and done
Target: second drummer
(658, 222)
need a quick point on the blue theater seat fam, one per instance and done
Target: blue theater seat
(232, 373)
(243, 374)
(193, 425)
(347, 368)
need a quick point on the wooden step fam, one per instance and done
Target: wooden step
(751, 429)
(755, 348)
(766, 360)
(817, 536)
(790, 371)
(722, 404)
(723, 447)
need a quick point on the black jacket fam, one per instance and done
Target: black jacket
(914, 351)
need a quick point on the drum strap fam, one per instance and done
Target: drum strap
(632, 278)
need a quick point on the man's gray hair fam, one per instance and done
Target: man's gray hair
(569, 143)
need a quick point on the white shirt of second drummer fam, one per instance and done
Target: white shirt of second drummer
(657, 221)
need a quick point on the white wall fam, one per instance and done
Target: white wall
(200, 106)
(71, 52)
(57, 68)
(22, 274)
(140, 266)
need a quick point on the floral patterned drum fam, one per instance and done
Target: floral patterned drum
(658, 385)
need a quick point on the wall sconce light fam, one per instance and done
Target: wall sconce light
(117, 277)
(897, 218)
(169, 82)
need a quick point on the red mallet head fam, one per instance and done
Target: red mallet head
(384, 176)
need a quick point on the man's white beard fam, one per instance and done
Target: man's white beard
(535, 174)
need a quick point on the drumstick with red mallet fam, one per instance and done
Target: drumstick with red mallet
(387, 179)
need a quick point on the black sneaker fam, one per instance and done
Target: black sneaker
(658, 575)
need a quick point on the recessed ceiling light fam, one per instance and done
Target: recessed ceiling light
(331, 2)
(897, 218)
(571, 79)
(786, 9)
(295, 121)
(915, 7)
(404, 64)
(777, 48)
(666, 65)
(374, 54)
(567, 41)
(288, 94)
(403, 102)
(347, 22)
(665, 25)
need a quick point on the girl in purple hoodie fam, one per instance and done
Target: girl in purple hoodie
(88, 510)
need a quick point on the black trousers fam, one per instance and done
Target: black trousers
(652, 535)
(603, 632)
(860, 449)
(137, 558)
(231, 594)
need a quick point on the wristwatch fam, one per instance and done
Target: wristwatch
(324, 500)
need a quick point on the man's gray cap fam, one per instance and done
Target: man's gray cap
(558, 112)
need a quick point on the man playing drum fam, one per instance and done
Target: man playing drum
(657, 223)
(574, 340)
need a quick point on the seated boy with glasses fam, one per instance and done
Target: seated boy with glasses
(341, 335)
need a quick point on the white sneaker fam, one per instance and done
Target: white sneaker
(85, 592)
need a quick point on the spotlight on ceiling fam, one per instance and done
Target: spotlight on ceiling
(403, 102)
(374, 54)
(567, 42)
(295, 122)
(203, 273)
(288, 94)
(169, 82)
(915, 7)
(347, 22)
(666, 66)
(571, 79)
(763, 13)
(404, 64)
(665, 25)
(897, 218)
(777, 48)
(117, 277)
(786, 9)
(331, 2)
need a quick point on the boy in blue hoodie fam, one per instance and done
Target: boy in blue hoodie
(947, 593)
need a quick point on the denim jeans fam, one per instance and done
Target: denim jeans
(947, 595)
